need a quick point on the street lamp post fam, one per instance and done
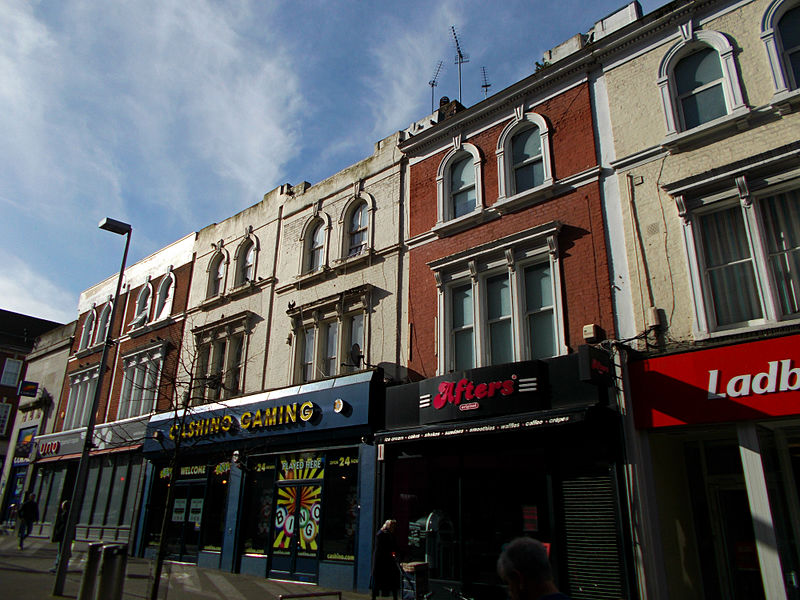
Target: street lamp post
(65, 552)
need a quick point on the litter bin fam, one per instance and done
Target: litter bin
(415, 580)
(112, 572)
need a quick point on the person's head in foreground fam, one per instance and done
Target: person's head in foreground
(523, 565)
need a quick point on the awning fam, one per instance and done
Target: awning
(94, 453)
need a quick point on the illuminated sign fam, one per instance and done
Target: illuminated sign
(269, 417)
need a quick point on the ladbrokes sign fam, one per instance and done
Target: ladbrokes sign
(751, 381)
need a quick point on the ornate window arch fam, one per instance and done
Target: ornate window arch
(688, 103)
(246, 260)
(143, 302)
(356, 224)
(216, 271)
(459, 182)
(88, 329)
(103, 323)
(314, 241)
(166, 292)
(523, 155)
(780, 32)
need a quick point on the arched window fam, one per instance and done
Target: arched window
(458, 183)
(698, 86)
(216, 275)
(142, 307)
(699, 81)
(357, 229)
(103, 324)
(164, 297)
(88, 329)
(462, 197)
(245, 262)
(315, 249)
(523, 155)
(789, 31)
(780, 32)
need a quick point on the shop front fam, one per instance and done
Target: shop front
(279, 484)
(473, 459)
(723, 432)
(113, 491)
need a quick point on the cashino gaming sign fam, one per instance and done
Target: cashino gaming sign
(333, 404)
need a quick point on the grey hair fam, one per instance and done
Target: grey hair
(527, 556)
(388, 523)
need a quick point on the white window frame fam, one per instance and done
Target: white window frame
(306, 240)
(216, 274)
(246, 261)
(103, 324)
(345, 223)
(343, 309)
(87, 333)
(214, 355)
(12, 370)
(505, 167)
(705, 322)
(143, 302)
(80, 399)
(141, 382)
(776, 58)
(164, 297)
(692, 41)
(443, 193)
(508, 255)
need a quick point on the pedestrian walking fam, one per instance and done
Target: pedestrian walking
(523, 565)
(58, 530)
(385, 571)
(28, 514)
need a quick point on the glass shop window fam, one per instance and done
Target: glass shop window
(91, 487)
(340, 516)
(119, 488)
(156, 506)
(103, 489)
(216, 502)
(257, 505)
(133, 486)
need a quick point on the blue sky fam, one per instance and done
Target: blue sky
(174, 114)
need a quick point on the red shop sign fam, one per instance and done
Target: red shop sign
(742, 382)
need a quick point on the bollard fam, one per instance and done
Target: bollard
(112, 572)
(89, 577)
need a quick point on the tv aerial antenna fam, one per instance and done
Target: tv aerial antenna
(461, 58)
(485, 85)
(434, 80)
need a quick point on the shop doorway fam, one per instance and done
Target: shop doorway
(186, 517)
(737, 558)
(295, 532)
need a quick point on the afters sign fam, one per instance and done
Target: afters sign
(751, 381)
(481, 393)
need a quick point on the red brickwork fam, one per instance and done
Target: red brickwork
(586, 289)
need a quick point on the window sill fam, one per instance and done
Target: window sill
(707, 132)
(148, 327)
(532, 196)
(464, 222)
(211, 302)
(353, 261)
(89, 351)
(786, 101)
(747, 330)
(245, 289)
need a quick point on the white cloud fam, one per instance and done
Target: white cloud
(25, 291)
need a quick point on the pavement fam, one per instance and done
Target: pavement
(24, 575)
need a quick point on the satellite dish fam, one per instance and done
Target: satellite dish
(355, 355)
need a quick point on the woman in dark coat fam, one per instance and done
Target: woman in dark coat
(385, 572)
(58, 529)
